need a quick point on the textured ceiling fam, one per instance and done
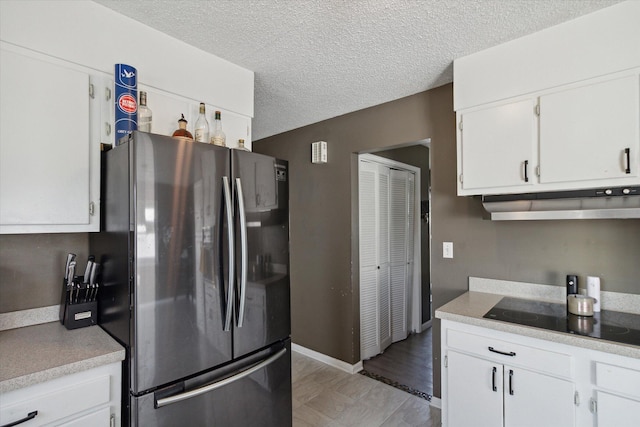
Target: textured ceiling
(318, 59)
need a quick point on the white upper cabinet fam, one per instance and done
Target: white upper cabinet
(591, 132)
(555, 110)
(46, 159)
(497, 146)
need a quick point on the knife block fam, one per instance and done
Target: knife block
(77, 315)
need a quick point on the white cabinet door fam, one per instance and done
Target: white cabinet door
(48, 169)
(591, 132)
(617, 411)
(533, 399)
(497, 148)
(474, 392)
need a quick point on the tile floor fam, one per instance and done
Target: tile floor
(326, 396)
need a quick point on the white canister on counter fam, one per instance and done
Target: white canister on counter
(593, 290)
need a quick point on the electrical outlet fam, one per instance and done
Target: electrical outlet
(447, 249)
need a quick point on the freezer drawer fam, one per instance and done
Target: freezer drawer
(255, 390)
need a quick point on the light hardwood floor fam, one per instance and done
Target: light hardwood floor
(326, 396)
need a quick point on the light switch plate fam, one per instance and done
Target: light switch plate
(447, 249)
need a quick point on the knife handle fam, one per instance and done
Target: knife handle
(87, 271)
(70, 257)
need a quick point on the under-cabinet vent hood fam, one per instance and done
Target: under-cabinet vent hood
(600, 203)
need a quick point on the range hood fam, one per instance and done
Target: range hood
(599, 203)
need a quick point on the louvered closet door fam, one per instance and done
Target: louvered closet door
(411, 232)
(369, 340)
(398, 253)
(384, 273)
(375, 298)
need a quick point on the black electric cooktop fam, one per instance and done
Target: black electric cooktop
(607, 325)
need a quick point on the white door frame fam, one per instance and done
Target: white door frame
(416, 294)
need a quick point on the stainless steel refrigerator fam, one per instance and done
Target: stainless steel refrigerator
(194, 249)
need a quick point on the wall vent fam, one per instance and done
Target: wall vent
(319, 152)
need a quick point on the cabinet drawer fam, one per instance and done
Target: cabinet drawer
(618, 379)
(513, 354)
(55, 403)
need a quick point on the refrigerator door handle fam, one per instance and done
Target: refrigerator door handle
(202, 390)
(244, 251)
(230, 234)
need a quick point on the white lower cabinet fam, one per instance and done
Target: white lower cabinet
(493, 378)
(616, 397)
(534, 399)
(618, 411)
(88, 398)
(474, 391)
(491, 382)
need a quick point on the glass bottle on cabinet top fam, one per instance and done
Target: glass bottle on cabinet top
(144, 114)
(218, 137)
(241, 145)
(182, 129)
(202, 126)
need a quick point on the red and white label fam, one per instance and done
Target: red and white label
(127, 103)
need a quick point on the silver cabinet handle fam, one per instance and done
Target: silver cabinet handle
(230, 235)
(202, 390)
(244, 250)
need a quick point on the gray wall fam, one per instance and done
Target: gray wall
(32, 267)
(324, 274)
(323, 216)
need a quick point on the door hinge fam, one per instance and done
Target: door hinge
(91, 91)
(107, 94)
(461, 180)
(593, 405)
(538, 170)
(460, 125)
(92, 208)
(538, 109)
(112, 420)
(576, 398)
(446, 361)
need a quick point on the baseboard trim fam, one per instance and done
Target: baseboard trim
(328, 360)
(436, 402)
(426, 325)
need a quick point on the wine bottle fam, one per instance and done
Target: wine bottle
(202, 126)
(218, 137)
(145, 115)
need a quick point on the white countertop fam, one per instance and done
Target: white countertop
(471, 306)
(38, 353)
